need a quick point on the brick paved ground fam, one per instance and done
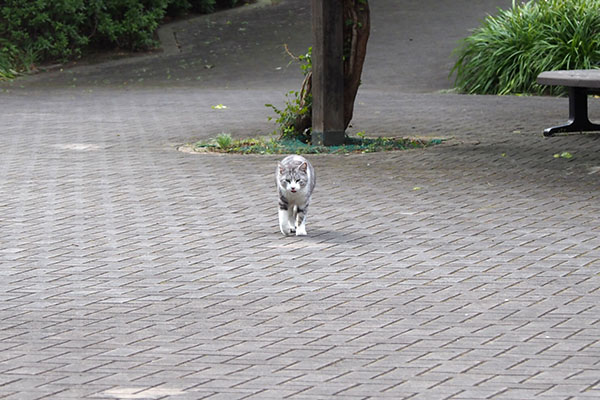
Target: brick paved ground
(130, 270)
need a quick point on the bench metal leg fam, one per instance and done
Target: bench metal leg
(578, 114)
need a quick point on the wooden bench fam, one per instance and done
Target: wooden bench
(580, 84)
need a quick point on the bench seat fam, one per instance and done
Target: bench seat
(587, 78)
(580, 83)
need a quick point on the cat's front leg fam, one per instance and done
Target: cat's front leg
(285, 226)
(300, 222)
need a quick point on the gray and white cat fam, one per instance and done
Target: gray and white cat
(296, 180)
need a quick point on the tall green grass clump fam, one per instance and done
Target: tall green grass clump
(508, 51)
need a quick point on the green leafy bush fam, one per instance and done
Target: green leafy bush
(45, 30)
(199, 6)
(10, 57)
(507, 52)
(63, 29)
(128, 24)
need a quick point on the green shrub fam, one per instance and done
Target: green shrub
(43, 29)
(10, 57)
(203, 6)
(177, 7)
(128, 24)
(507, 52)
(61, 30)
(47, 30)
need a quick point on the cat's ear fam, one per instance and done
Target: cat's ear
(281, 168)
(303, 167)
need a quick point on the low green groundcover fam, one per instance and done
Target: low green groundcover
(225, 144)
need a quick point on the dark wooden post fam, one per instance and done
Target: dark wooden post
(327, 73)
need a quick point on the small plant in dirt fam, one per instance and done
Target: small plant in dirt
(291, 119)
(508, 51)
(224, 141)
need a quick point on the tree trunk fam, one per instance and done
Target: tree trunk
(356, 34)
(304, 121)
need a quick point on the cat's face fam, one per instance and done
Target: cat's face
(293, 179)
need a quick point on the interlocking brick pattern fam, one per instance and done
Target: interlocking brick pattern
(129, 270)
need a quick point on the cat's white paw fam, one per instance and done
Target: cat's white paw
(301, 231)
(287, 231)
